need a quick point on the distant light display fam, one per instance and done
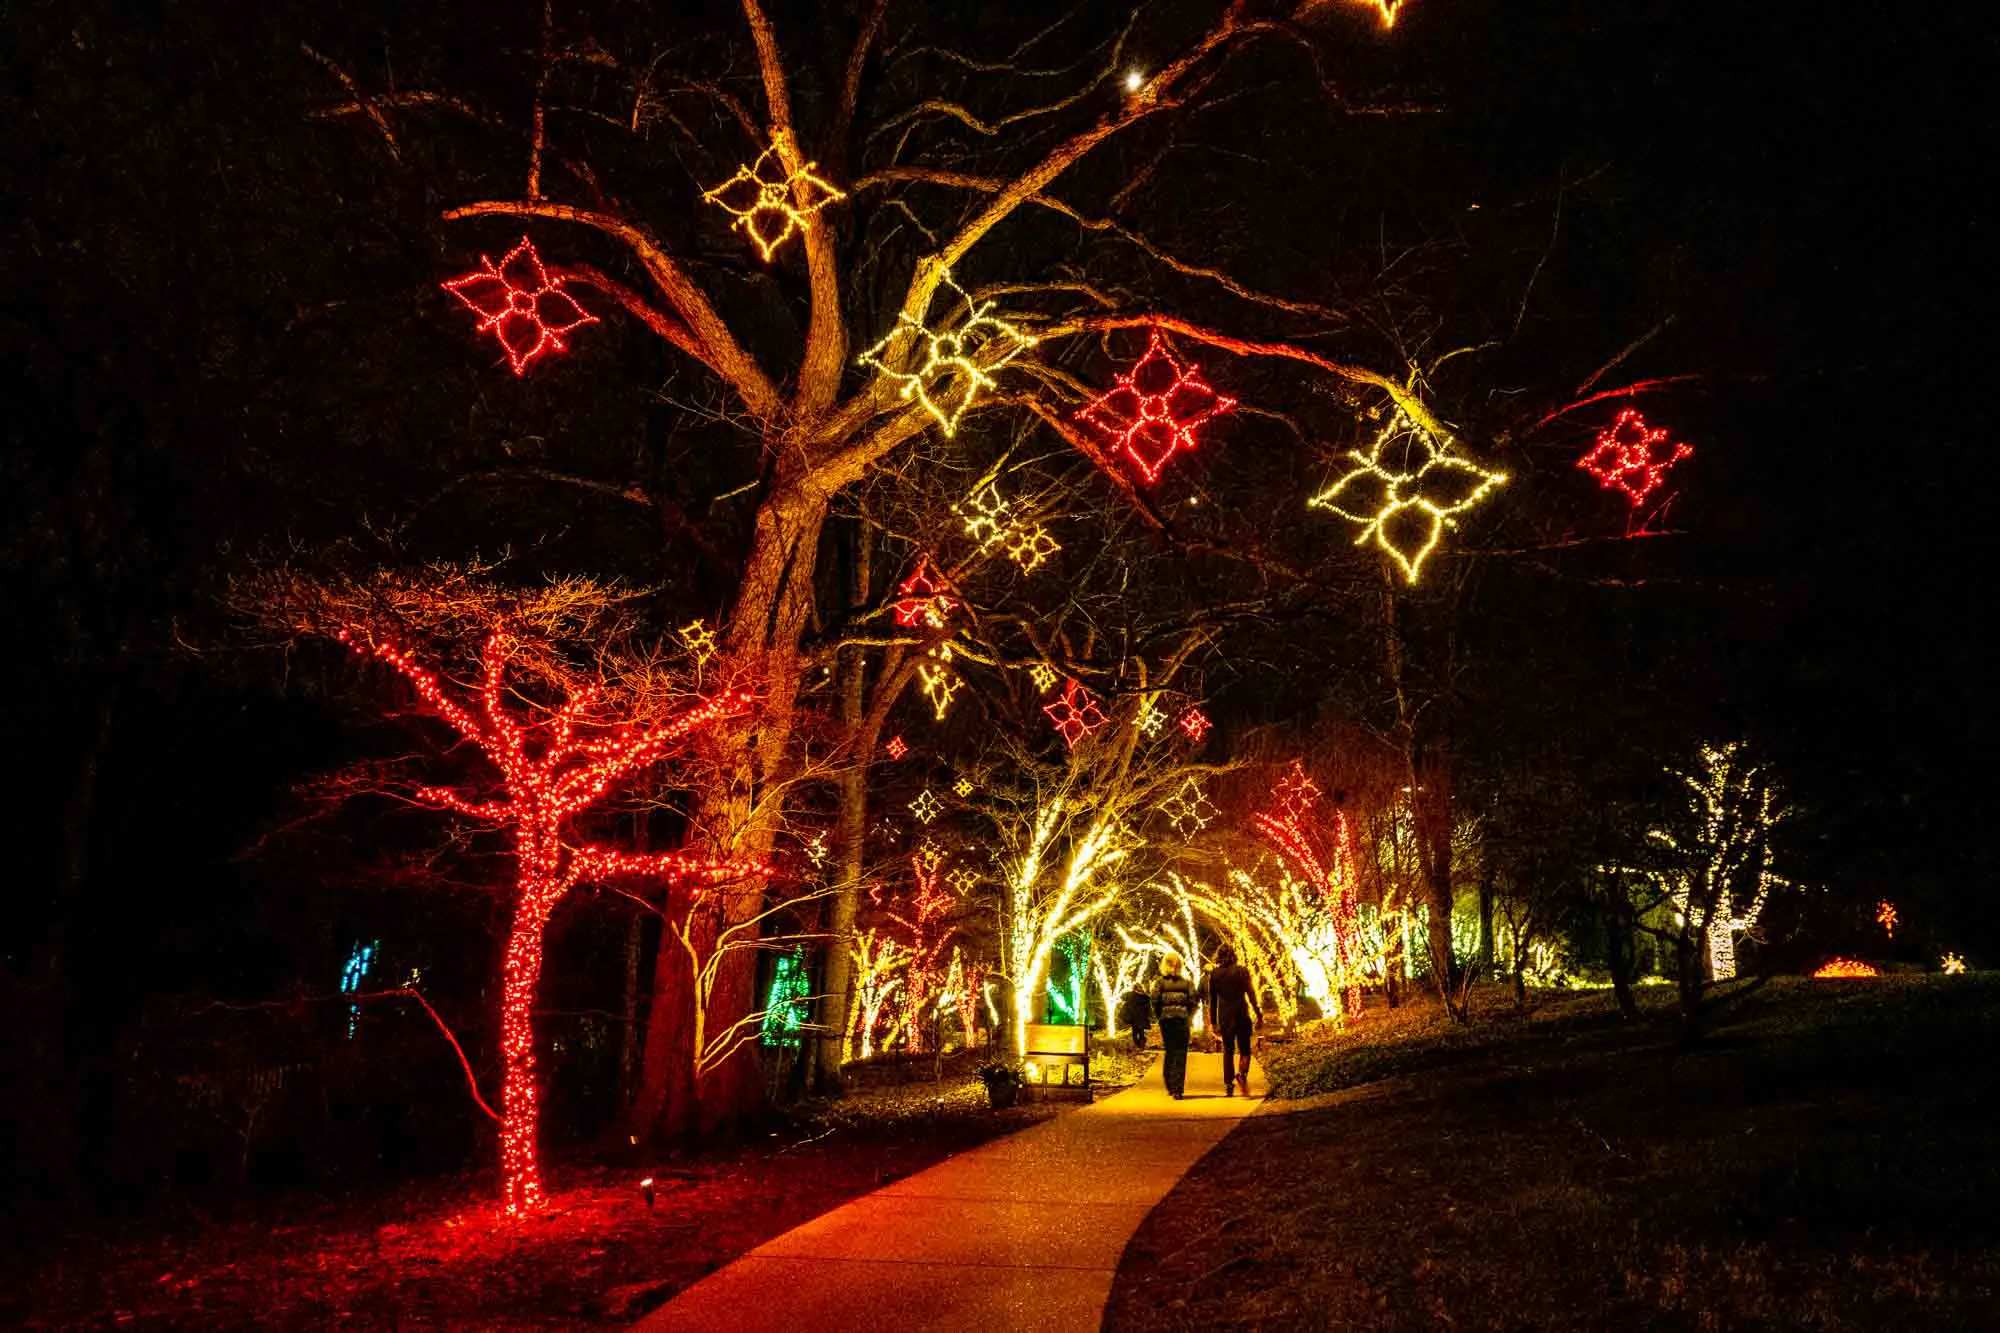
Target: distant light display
(1152, 411)
(1885, 917)
(521, 305)
(358, 962)
(1846, 967)
(785, 1008)
(1952, 965)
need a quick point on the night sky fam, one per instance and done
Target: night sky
(1804, 180)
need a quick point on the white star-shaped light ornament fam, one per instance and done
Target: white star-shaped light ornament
(1405, 490)
(948, 368)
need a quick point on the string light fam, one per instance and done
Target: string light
(964, 786)
(988, 523)
(927, 936)
(1885, 917)
(1189, 810)
(1387, 9)
(951, 354)
(963, 880)
(929, 854)
(1420, 492)
(1952, 965)
(1152, 410)
(551, 769)
(1151, 719)
(358, 963)
(895, 749)
(1076, 714)
(769, 208)
(1195, 724)
(1044, 676)
(1297, 793)
(1845, 967)
(923, 600)
(927, 806)
(699, 640)
(521, 304)
(785, 1002)
(939, 687)
(1624, 457)
(816, 850)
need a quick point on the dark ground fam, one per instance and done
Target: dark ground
(1828, 1162)
(437, 1257)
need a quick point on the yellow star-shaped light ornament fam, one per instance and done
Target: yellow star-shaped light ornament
(699, 640)
(769, 206)
(950, 367)
(1405, 490)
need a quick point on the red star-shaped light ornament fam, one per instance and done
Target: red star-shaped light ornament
(519, 303)
(1297, 793)
(1076, 714)
(1195, 724)
(1152, 410)
(1632, 457)
(923, 600)
(896, 749)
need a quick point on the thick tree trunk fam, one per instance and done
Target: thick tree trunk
(739, 807)
(1431, 799)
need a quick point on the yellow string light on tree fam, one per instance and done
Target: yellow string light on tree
(1405, 491)
(699, 640)
(953, 354)
(769, 207)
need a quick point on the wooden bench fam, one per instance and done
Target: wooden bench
(1058, 1059)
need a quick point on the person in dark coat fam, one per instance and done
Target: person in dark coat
(1135, 1015)
(1231, 999)
(1173, 1006)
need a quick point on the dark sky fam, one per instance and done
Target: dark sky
(1813, 175)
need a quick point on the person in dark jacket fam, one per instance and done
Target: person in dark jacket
(1173, 1006)
(1230, 999)
(1135, 1015)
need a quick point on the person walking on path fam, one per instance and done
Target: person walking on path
(1231, 999)
(1173, 1006)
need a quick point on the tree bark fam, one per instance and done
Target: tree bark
(740, 805)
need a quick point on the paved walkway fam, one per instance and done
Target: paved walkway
(1022, 1233)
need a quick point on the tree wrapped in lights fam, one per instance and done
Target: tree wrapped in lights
(936, 185)
(1324, 939)
(926, 933)
(1715, 861)
(878, 961)
(556, 740)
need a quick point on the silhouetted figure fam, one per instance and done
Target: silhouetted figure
(1173, 1005)
(1231, 1000)
(1135, 1015)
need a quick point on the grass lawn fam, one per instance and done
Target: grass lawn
(435, 1256)
(1829, 1159)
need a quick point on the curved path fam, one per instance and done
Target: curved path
(1022, 1233)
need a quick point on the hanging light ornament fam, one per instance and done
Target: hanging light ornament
(1408, 478)
(1076, 714)
(699, 640)
(964, 786)
(1386, 9)
(1152, 410)
(953, 354)
(923, 600)
(769, 207)
(895, 749)
(1044, 676)
(1297, 792)
(927, 806)
(1189, 810)
(1194, 724)
(1631, 456)
(521, 304)
(1151, 719)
